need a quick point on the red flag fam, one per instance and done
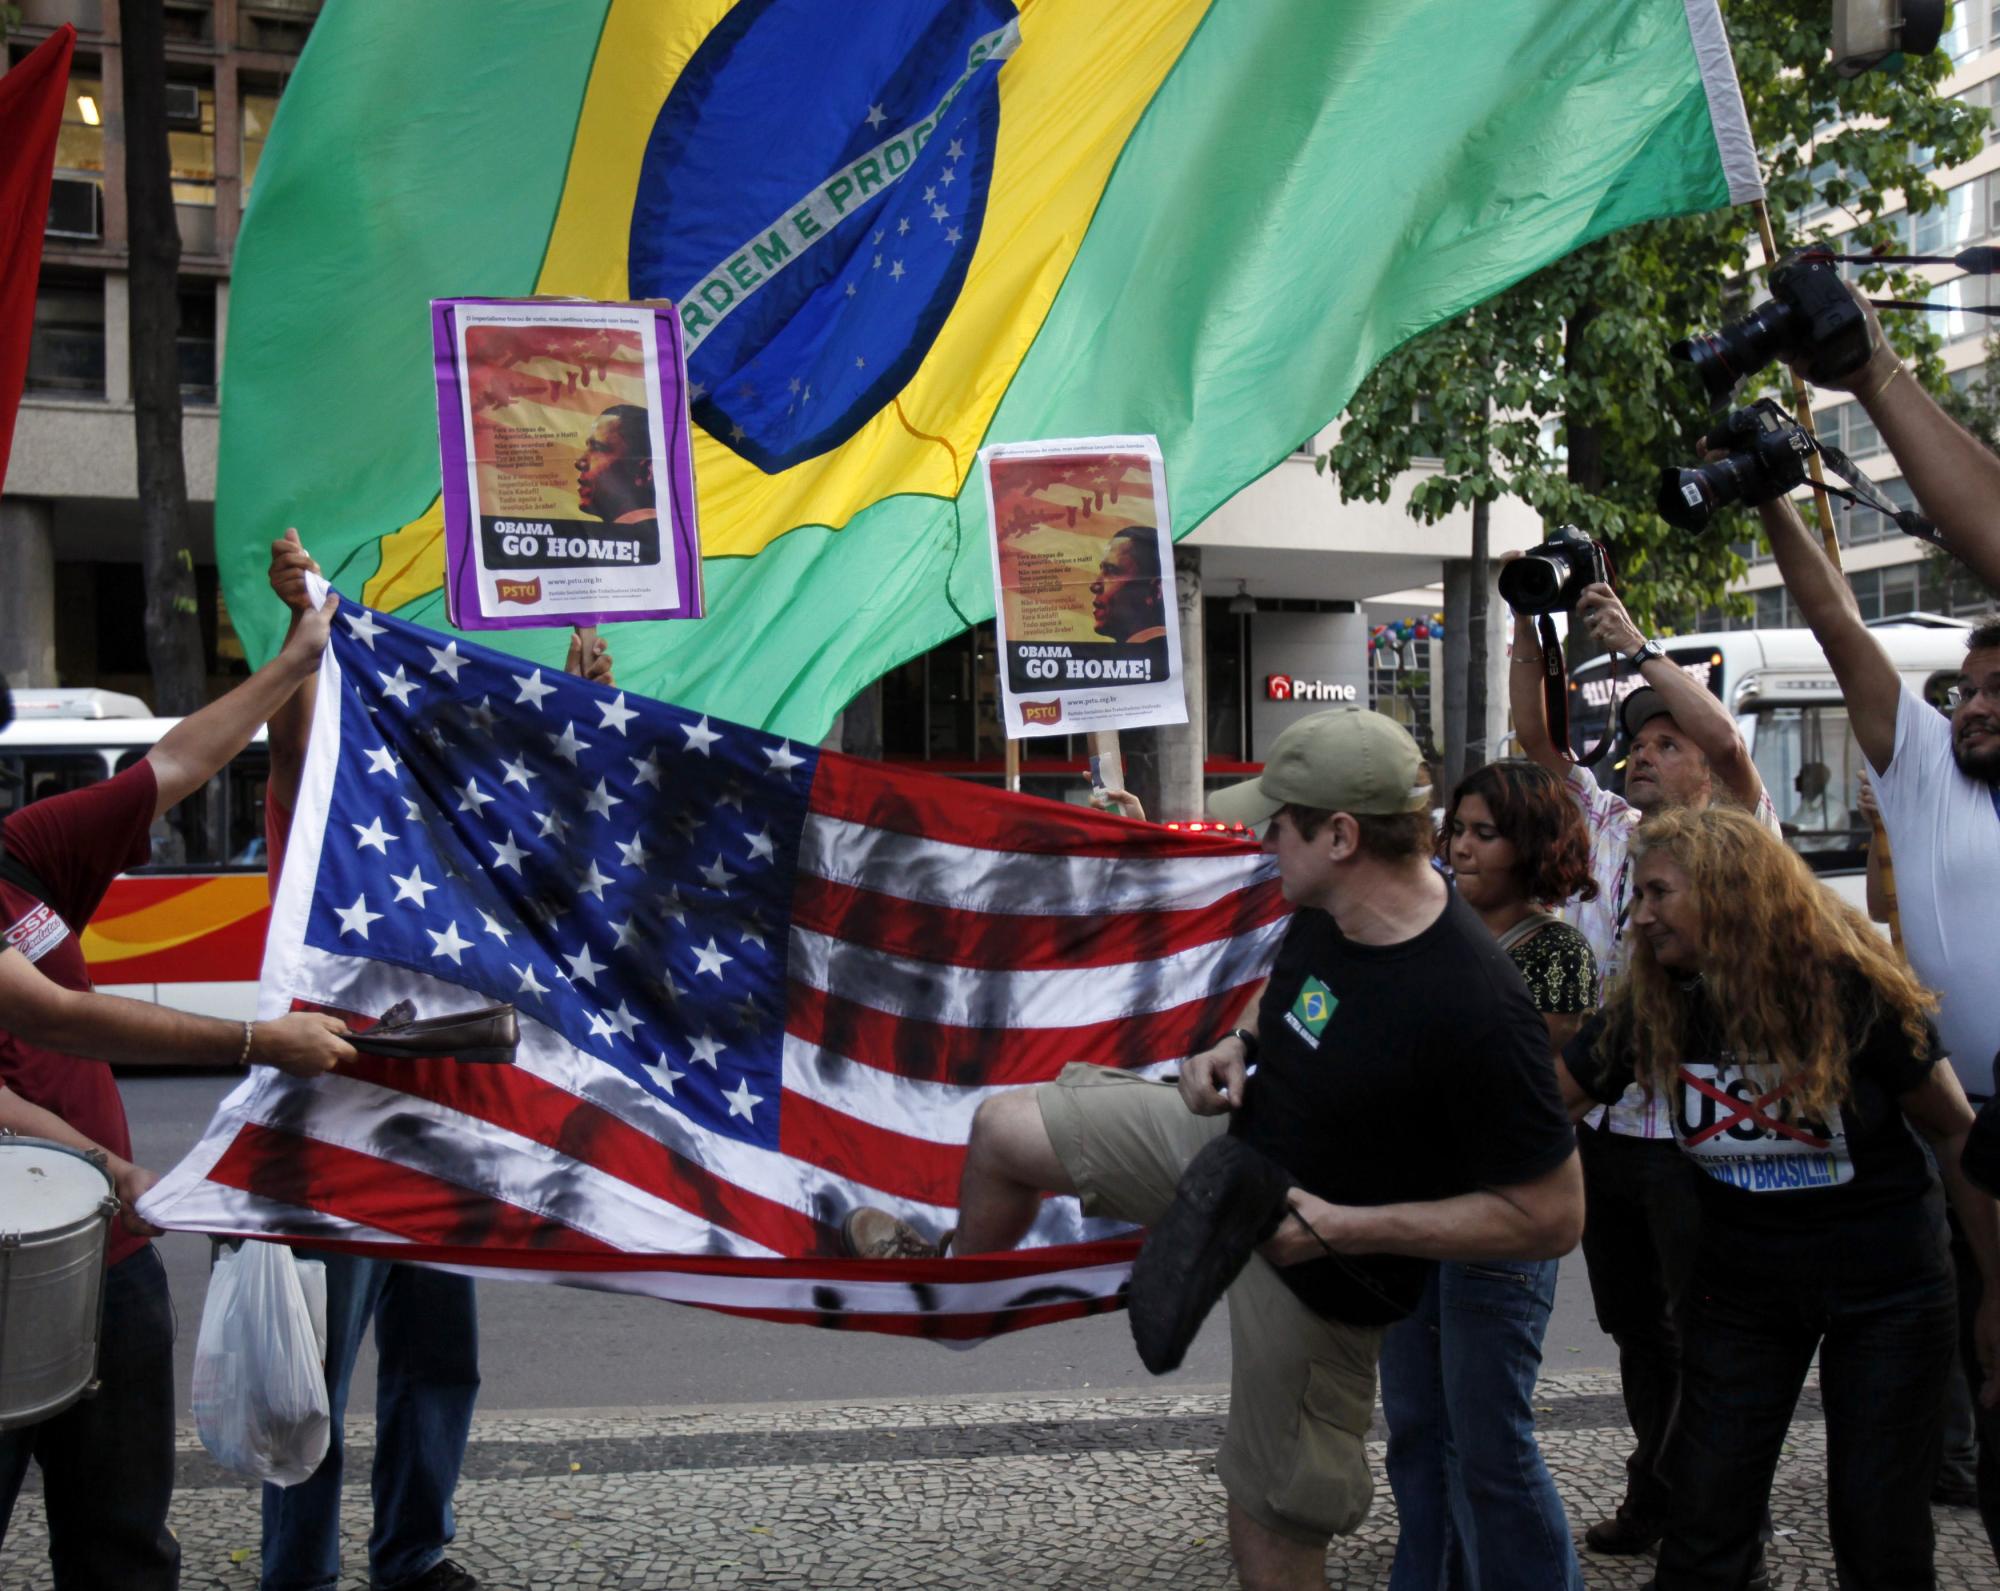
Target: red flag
(31, 107)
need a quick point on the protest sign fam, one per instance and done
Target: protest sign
(568, 476)
(1083, 560)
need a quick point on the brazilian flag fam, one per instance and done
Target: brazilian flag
(900, 229)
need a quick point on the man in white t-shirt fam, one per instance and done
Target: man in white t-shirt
(1639, 1243)
(1937, 782)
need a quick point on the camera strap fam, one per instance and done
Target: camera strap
(1555, 696)
(1864, 493)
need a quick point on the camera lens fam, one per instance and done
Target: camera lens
(1533, 582)
(1687, 499)
(1724, 357)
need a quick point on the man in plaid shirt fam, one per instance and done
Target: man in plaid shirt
(1639, 1240)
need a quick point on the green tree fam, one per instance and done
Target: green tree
(1561, 391)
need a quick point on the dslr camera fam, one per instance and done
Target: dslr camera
(1550, 578)
(1768, 450)
(1811, 315)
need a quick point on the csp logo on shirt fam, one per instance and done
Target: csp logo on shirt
(1311, 1011)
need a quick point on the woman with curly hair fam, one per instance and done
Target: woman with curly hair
(1476, 1503)
(1795, 1052)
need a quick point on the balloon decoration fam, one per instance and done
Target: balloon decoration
(1393, 637)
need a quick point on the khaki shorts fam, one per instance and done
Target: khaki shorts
(1301, 1387)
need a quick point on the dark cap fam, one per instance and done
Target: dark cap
(1643, 704)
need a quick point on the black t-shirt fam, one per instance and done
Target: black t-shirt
(1781, 1188)
(1391, 1074)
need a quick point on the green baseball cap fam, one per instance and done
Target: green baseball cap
(1346, 760)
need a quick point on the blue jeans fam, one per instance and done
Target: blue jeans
(1477, 1507)
(107, 1461)
(1884, 1353)
(426, 1379)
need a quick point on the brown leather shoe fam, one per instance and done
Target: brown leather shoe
(487, 1036)
(872, 1234)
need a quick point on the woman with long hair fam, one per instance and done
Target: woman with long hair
(1795, 1053)
(1476, 1502)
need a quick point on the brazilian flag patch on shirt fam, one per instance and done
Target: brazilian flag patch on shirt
(1311, 1011)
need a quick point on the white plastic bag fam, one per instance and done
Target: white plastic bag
(259, 1376)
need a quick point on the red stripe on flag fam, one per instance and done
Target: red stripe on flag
(934, 1326)
(1023, 941)
(385, 1195)
(876, 1157)
(956, 813)
(523, 1103)
(935, 1052)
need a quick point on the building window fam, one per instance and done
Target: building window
(80, 140)
(260, 106)
(277, 26)
(195, 345)
(191, 142)
(66, 351)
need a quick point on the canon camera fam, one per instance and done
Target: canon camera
(1810, 316)
(1767, 457)
(1550, 578)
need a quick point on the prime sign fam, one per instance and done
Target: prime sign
(1290, 688)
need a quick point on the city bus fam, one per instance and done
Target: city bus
(187, 929)
(1781, 690)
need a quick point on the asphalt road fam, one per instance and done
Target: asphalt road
(567, 1348)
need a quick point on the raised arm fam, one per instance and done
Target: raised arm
(1701, 717)
(291, 720)
(1955, 477)
(1524, 696)
(1867, 678)
(199, 747)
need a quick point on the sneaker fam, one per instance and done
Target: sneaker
(877, 1235)
(1621, 1536)
(444, 1575)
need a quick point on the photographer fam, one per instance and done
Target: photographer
(1639, 1243)
(1937, 783)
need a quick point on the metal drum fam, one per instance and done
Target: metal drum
(55, 1214)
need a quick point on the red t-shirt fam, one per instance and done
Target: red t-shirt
(75, 843)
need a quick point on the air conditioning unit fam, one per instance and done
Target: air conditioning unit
(183, 105)
(76, 209)
(1868, 32)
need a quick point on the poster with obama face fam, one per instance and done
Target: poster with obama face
(1088, 626)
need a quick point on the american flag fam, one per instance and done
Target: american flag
(759, 984)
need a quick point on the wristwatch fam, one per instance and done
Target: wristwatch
(1648, 650)
(1248, 1040)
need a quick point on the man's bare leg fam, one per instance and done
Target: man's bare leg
(1267, 1561)
(1009, 1165)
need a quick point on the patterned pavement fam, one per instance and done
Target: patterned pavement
(1073, 1491)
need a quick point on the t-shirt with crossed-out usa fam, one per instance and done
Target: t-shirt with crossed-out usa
(1776, 1177)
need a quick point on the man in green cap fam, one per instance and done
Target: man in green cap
(1394, 1066)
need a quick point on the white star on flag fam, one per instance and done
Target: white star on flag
(624, 1021)
(700, 736)
(592, 882)
(665, 1074)
(628, 935)
(633, 853)
(374, 835)
(583, 966)
(616, 714)
(530, 984)
(398, 685)
(382, 760)
(532, 688)
(446, 660)
(481, 716)
(705, 1049)
(896, 272)
(601, 800)
(741, 1100)
(567, 745)
(506, 853)
(783, 759)
(876, 116)
(411, 886)
(362, 626)
(761, 846)
(646, 770)
(448, 943)
(710, 958)
(518, 772)
(356, 918)
(492, 926)
(716, 876)
(472, 798)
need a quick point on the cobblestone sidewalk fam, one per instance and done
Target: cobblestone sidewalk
(1049, 1491)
